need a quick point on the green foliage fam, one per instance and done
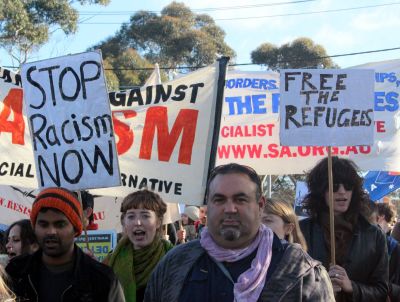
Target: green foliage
(176, 37)
(27, 24)
(301, 53)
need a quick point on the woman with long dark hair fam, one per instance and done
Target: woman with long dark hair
(361, 270)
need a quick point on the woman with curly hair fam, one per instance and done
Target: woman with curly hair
(361, 270)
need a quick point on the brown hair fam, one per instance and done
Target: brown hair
(384, 209)
(144, 199)
(287, 214)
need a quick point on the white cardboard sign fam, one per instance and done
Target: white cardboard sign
(70, 120)
(327, 107)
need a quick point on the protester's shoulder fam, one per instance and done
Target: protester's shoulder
(97, 268)
(184, 253)
(369, 228)
(295, 251)
(19, 265)
(306, 222)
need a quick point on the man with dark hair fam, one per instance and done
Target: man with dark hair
(237, 258)
(59, 270)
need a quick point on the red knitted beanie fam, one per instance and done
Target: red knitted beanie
(62, 200)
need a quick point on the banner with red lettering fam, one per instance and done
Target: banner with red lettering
(164, 136)
(16, 154)
(250, 125)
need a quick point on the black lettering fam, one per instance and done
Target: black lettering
(195, 88)
(323, 80)
(339, 82)
(179, 93)
(36, 133)
(42, 163)
(50, 72)
(117, 98)
(103, 121)
(291, 110)
(178, 189)
(135, 95)
(51, 136)
(3, 171)
(346, 121)
(331, 117)
(161, 94)
(88, 126)
(306, 77)
(317, 114)
(307, 94)
(98, 153)
(37, 85)
(305, 116)
(60, 85)
(354, 119)
(289, 76)
(89, 79)
(79, 173)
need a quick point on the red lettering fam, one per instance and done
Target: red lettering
(380, 126)
(364, 149)
(318, 150)
(185, 124)
(351, 149)
(13, 103)
(285, 151)
(123, 131)
(302, 152)
(273, 149)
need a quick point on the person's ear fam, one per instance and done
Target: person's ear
(261, 203)
(289, 227)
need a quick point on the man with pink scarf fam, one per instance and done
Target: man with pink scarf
(238, 259)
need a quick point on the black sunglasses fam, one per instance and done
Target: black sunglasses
(347, 187)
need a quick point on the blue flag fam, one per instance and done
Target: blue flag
(380, 183)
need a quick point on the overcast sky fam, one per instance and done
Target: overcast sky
(341, 26)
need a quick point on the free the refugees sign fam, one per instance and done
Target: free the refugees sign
(70, 122)
(323, 107)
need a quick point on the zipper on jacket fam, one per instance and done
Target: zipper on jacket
(62, 295)
(34, 289)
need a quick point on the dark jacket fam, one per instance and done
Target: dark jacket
(394, 270)
(93, 281)
(297, 277)
(366, 263)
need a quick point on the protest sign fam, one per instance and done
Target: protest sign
(249, 129)
(100, 243)
(326, 107)
(67, 106)
(250, 125)
(165, 134)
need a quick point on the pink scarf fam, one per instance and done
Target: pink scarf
(251, 282)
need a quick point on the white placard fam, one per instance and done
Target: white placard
(70, 121)
(327, 107)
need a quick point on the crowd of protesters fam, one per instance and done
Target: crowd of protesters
(240, 246)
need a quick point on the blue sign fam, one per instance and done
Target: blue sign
(381, 183)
